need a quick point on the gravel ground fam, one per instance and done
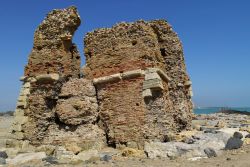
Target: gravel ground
(231, 158)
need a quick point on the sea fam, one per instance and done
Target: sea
(210, 110)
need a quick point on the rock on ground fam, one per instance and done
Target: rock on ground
(210, 152)
(3, 154)
(25, 157)
(233, 143)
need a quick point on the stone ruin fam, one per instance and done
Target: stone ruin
(134, 87)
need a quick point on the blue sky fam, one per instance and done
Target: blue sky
(215, 35)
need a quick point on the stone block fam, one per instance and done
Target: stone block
(107, 79)
(26, 85)
(188, 83)
(26, 157)
(191, 93)
(48, 149)
(22, 98)
(151, 70)
(246, 141)
(190, 88)
(132, 74)
(133, 152)
(238, 135)
(180, 85)
(22, 104)
(210, 152)
(163, 75)
(3, 154)
(62, 153)
(18, 112)
(153, 84)
(47, 77)
(147, 93)
(247, 129)
(31, 79)
(22, 78)
(86, 155)
(150, 76)
(73, 147)
(233, 143)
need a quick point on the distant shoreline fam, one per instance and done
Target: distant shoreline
(211, 110)
(7, 113)
(234, 112)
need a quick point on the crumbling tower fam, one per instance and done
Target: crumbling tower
(53, 59)
(134, 87)
(143, 90)
(55, 105)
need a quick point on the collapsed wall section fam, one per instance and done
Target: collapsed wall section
(53, 50)
(55, 106)
(53, 60)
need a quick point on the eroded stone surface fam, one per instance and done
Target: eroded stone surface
(80, 106)
(55, 106)
(86, 136)
(53, 50)
(135, 87)
(145, 107)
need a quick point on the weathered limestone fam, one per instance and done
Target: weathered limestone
(153, 79)
(55, 106)
(47, 78)
(107, 79)
(148, 103)
(171, 49)
(133, 74)
(54, 58)
(53, 50)
(26, 157)
(77, 106)
(135, 87)
(20, 118)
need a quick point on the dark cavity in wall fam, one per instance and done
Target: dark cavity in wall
(163, 52)
(155, 94)
(50, 103)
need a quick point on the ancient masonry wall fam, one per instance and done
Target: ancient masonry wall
(133, 88)
(131, 113)
(55, 106)
(53, 50)
(180, 85)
